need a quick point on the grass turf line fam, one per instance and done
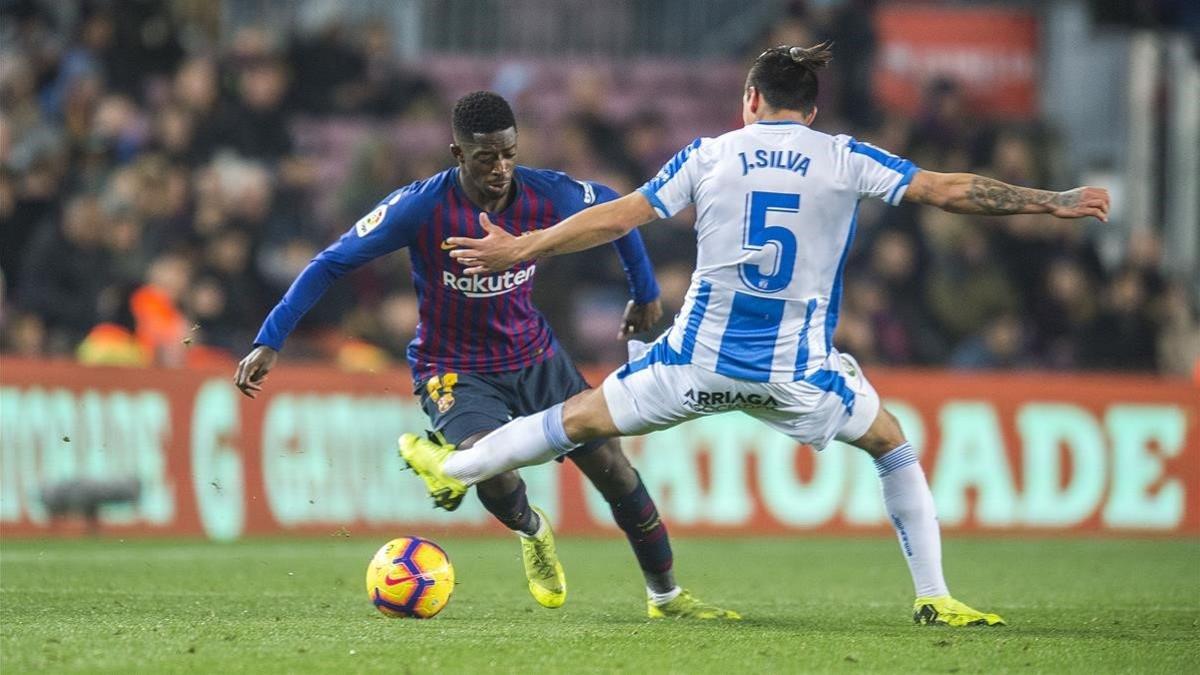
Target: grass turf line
(810, 605)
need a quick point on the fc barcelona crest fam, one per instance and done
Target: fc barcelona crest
(441, 390)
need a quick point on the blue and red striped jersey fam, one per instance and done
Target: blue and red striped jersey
(469, 324)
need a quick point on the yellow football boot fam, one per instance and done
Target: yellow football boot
(547, 581)
(946, 611)
(687, 606)
(425, 457)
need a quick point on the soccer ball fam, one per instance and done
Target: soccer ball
(410, 577)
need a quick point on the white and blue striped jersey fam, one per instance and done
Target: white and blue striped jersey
(776, 204)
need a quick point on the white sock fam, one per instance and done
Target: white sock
(524, 441)
(910, 505)
(663, 598)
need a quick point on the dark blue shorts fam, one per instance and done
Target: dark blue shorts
(462, 405)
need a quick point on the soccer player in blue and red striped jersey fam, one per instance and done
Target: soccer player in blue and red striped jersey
(483, 354)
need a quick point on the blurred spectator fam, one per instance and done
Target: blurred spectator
(968, 287)
(30, 198)
(126, 243)
(1123, 336)
(595, 320)
(872, 328)
(1064, 313)
(1001, 345)
(230, 304)
(644, 145)
(673, 282)
(329, 71)
(351, 71)
(18, 91)
(397, 323)
(852, 24)
(195, 91)
(23, 334)
(85, 58)
(906, 330)
(174, 135)
(255, 124)
(159, 322)
(208, 303)
(1179, 342)
(592, 138)
(117, 128)
(65, 270)
(112, 342)
(1144, 255)
(856, 336)
(375, 171)
(945, 121)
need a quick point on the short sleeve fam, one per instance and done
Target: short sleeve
(874, 172)
(674, 187)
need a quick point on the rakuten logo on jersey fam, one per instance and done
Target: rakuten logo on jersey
(487, 286)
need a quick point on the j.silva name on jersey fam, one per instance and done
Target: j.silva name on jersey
(788, 160)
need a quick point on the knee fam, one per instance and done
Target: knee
(586, 417)
(884, 435)
(609, 470)
(499, 486)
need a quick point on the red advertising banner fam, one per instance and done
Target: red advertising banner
(990, 51)
(1004, 453)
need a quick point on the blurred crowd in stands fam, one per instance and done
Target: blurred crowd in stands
(156, 200)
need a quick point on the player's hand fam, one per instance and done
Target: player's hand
(253, 369)
(639, 318)
(495, 252)
(1081, 203)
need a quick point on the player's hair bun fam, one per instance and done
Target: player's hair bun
(787, 75)
(817, 56)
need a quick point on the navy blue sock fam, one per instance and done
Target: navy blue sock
(511, 509)
(637, 515)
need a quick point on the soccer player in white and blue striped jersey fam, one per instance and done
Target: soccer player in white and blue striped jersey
(775, 216)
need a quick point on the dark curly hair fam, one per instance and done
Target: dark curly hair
(787, 76)
(482, 112)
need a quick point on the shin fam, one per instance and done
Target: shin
(909, 503)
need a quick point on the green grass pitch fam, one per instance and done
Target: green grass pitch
(811, 604)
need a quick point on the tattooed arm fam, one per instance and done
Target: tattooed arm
(969, 193)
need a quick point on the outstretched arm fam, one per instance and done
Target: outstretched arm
(378, 233)
(591, 227)
(971, 193)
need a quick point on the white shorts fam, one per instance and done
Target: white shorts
(838, 403)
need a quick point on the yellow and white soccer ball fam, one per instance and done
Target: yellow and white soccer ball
(410, 577)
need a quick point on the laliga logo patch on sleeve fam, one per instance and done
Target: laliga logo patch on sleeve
(370, 221)
(589, 193)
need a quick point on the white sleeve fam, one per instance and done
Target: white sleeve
(874, 172)
(673, 188)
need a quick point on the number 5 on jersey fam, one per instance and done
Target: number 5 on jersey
(759, 205)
